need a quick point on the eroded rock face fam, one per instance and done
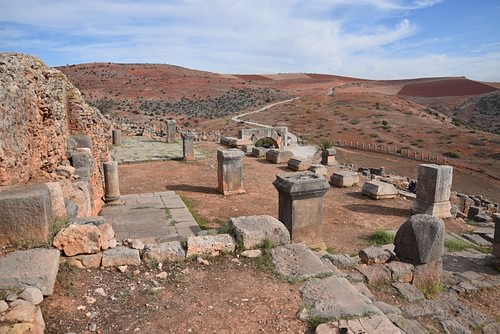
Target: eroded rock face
(40, 109)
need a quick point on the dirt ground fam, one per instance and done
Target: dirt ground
(230, 295)
(349, 218)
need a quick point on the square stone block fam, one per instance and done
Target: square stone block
(344, 178)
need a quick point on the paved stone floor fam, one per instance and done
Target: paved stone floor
(138, 149)
(151, 217)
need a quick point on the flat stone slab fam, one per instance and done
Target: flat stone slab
(298, 261)
(376, 324)
(252, 231)
(159, 216)
(477, 240)
(344, 178)
(31, 268)
(334, 297)
(166, 251)
(409, 292)
(379, 190)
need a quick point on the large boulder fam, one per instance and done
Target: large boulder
(420, 239)
(78, 192)
(56, 195)
(78, 239)
(22, 317)
(252, 231)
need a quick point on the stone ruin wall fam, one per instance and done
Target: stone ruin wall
(39, 110)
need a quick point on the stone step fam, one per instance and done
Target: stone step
(477, 239)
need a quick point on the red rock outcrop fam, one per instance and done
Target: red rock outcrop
(39, 110)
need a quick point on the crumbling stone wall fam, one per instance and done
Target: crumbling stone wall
(39, 110)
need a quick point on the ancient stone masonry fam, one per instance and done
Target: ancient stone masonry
(420, 241)
(171, 131)
(278, 135)
(230, 171)
(188, 146)
(301, 205)
(496, 240)
(117, 137)
(433, 190)
(40, 110)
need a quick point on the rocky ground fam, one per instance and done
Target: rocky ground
(230, 294)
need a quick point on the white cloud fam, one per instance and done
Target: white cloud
(368, 37)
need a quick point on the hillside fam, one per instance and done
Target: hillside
(330, 107)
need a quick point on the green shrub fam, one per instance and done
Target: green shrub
(381, 237)
(452, 154)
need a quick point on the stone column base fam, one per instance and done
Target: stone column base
(438, 210)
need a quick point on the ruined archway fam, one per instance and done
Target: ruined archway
(272, 136)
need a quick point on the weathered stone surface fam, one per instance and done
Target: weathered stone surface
(78, 239)
(407, 325)
(477, 240)
(420, 239)
(31, 268)
(296, 260)
(379, 190)
(259, 152)
(106, 235)
(401, 271)
(32, 295)
(78, 192)
(230, 171)
(319, 169)
(496, 240)
(375, 255)
(165, 251)
(298, 165)
(340, 260)
(211, 245)
(83, 261)
(279, 156)
(248, 148)
(23, 317)
(387, 308)
(433, 190)
(251, 231)
(334, 297)
(344, 179)
(57, 200)
(120, 256)
(409, 292)
(239, 142)
(188, 146)
(301, 206)
(453, 327)
(363, 289)
(376, 324)
(25, 214)
(43, 109)
(376, 273)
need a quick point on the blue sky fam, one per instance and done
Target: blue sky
(374, 39)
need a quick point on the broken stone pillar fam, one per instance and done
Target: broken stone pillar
(328, 157)
(301, 206)
(420, 241)
(188, 146)
(111, 183)
(433, 190)
(171, 131)
(117, 137)
(230, 171)
(496, 241)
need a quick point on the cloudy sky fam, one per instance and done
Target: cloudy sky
(375, 39)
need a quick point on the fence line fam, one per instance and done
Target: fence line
(388, 150)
